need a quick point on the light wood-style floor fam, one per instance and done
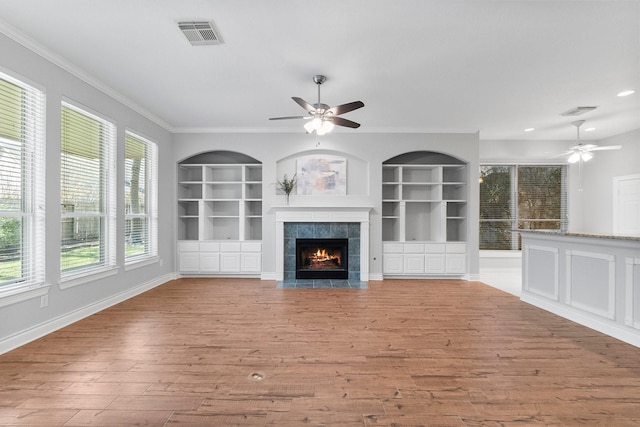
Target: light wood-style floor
(401, 353)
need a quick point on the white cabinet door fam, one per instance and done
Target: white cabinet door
(434, 263)
(229, 262)
(414, 264)
(456, 263)
(189, 262)
(209, 262)
(393, 264)
(251, 263)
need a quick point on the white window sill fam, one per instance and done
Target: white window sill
(13, 294)
(141, 262)
(85, 277)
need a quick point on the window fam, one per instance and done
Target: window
(140, 190)
(520, 197)
(21, 184)
(87, 193)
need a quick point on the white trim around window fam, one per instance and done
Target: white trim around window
(22, 192)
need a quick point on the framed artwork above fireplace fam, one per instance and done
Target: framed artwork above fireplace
(321, 175)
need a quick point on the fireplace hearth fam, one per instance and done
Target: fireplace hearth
(322, 258)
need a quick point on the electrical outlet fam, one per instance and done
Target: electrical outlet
(44, 301)
(161, 262)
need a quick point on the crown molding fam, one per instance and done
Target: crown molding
(72, 69)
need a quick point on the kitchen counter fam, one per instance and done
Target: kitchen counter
(591, 279)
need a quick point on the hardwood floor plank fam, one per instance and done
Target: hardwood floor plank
(402, 352)
(86, 418)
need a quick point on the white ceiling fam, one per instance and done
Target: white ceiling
(491, 66)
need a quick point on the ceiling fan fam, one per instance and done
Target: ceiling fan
(323, 117)
(584, 152)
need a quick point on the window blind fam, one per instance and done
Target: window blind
(22, 179)
(520, 197)
(87, 192)
(140, 189)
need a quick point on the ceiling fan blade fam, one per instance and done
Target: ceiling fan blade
(345, 108)
(289, 117)
(606, 147)
(561, 154)
(304, 104)
(343, 122)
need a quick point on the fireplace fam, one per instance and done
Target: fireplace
(297, 222)
(321, 258)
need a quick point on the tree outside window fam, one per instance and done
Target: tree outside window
(520, 197)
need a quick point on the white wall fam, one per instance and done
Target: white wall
(277, 153)
(26, 320)
(590, 208)
(594, 203)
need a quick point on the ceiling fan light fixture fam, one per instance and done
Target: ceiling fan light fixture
(309, 127)
(326, 127)
(586, 156)
(316, 123)
(574, 157)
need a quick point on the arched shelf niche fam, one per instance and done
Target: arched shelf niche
(220, 197)
(424, 197)
(424, 214)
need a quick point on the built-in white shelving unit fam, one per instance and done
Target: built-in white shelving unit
(219, 217)
(424, 216)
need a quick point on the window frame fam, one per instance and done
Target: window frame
(30, 144)
(107, 213)
(514, 206)
(150, 211)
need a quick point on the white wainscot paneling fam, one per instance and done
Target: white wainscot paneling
(539, 278)
(591, 282)
(632, 291)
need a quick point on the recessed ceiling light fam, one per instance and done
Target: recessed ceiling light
(589, 129)
(626, 93)
(529, 129)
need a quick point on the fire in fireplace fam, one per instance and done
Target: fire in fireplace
(322, 258)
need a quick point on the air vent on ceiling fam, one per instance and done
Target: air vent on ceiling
(577, 111)
(200, 33)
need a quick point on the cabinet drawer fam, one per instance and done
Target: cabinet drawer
(188, 246)
(413, 248)
(456, 248)
(209, 246)
(251, 247)
(392, 248)
(434, 248)
(229, 246)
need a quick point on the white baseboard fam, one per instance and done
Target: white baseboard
(268, 276)
(606, 327)
(23, 337)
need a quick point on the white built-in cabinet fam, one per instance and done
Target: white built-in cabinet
(220, 218)
(424, 219)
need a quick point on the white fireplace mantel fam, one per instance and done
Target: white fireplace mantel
(322, 214)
